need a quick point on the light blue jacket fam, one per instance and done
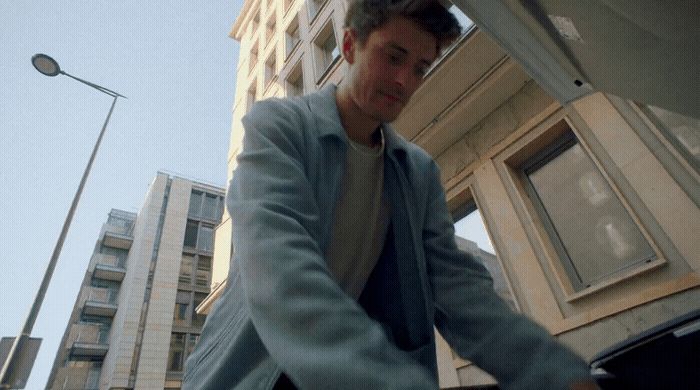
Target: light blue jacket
(282, 311)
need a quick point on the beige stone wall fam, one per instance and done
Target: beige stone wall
(157, 333)
(117, 364)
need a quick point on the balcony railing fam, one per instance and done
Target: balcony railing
(88, 340)
(71, 378)
(99, 301)
(109, 267)
(118, 236)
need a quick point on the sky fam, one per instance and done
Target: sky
(176, 64)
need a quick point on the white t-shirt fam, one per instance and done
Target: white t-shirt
(360, 220)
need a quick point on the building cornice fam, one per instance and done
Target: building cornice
(242, 19)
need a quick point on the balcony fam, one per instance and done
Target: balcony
(76, 377)
(116, 236)
(88, 341)
(99, 301)
(108, 268)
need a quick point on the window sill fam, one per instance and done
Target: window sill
(291, 52)
(269, 83)
(318, 12)
(647, 267)
(328, 70)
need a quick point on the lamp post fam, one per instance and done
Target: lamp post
(14, 368)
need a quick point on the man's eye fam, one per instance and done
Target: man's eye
(394, 59)
(421, 71)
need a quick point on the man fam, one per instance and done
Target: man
(345, 256)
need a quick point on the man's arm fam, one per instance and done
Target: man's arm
(318, 335)
(478, 324)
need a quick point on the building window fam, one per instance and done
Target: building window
(252, 92)
(295, 81)
(203, 271)
(292, 37)
(326, 50)
(93, 378)
(183, 299)
(211, 209)
(198, 319)
(255, 23)
(177, 352)
(270, 69)
(683, 132)
(253, 57)
(205, 205)
(472, 238)
(191, 234)
(186, 269)
(592, 232)
(315, 7)
(206, 238)
(195, 203)
(287, 5)
(270, 28)
(199, 235)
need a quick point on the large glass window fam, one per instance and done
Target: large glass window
(182, 305)
(591, 230)
(292, 36)
(177, 352)
(206, 238)
(211, 208)
(270, 69)
(195, 203)
(326, 49)
(93, 378)
(295, 81)
(191, 234)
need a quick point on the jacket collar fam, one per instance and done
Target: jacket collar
(325, 110)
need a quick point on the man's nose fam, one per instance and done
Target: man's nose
(403, 76)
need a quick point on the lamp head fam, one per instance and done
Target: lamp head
(45, 64)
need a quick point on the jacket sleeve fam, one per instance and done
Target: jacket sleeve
(477, 323)
(318, 335)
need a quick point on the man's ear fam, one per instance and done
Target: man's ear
(349, 42)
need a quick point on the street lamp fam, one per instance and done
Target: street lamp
(20, 358)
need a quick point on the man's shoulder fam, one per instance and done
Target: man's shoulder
(283, 108)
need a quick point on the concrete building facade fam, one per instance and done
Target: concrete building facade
(593, 207)
(134, 323)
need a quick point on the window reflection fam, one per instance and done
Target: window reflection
(590, 228)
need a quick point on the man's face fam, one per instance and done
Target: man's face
(387, 69)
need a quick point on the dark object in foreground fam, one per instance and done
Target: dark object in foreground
(666, 356)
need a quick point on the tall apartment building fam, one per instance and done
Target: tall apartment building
(133, 323)
(592, 207)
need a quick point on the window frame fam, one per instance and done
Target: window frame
(296, 72)
(539, 160)
(320, 55)
(296, 26)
